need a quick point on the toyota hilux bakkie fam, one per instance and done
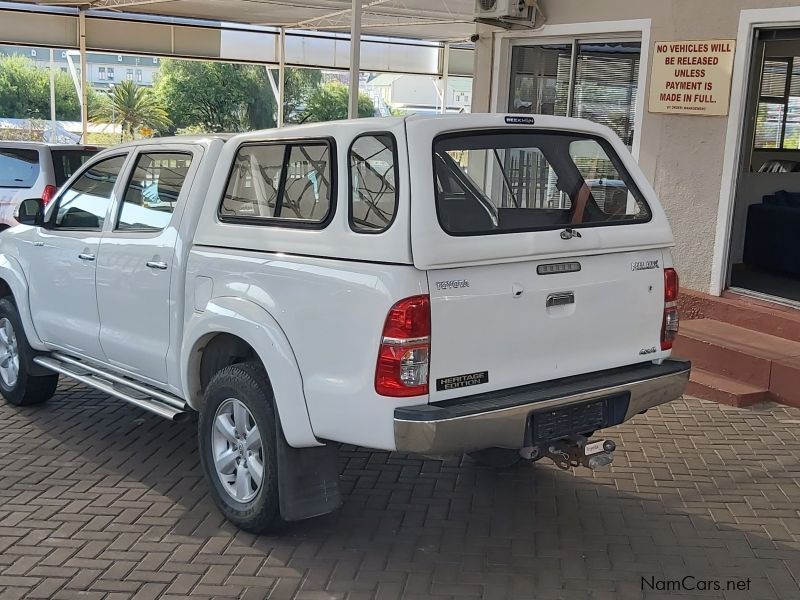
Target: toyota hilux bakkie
(495, 285)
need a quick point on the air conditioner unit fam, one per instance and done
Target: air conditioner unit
(501, 9)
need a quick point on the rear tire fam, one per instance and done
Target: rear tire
(17, 384)
(496, 458)
(237, 435)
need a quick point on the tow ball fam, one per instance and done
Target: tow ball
(574, 451)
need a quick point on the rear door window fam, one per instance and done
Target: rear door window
(67, 162)
(19, 167)
(488, 183)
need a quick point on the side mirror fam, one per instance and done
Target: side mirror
(31, 212)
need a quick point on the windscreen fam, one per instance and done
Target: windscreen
(19, 167)
(493, 182)
(66, 162)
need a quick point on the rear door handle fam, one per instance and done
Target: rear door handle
(560, 299)
(85, 256)
(154, 264)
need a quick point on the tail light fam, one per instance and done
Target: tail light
(404, 355)
(48, 193)
(669, 326)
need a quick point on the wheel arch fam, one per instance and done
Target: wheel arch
(232, 330)
(13, 282)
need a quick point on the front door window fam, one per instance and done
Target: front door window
(85, 203)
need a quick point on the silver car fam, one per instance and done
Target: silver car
(35, 170)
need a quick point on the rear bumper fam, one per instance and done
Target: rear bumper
(501, 418)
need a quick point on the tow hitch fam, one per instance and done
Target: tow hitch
(574, 451)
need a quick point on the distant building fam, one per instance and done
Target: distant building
(103, 70)
(400, 93)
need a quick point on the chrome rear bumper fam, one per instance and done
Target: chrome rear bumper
(501, 418)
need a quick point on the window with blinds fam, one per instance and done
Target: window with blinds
(594, 80)
(778, 111)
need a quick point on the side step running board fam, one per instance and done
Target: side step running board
(152, 400)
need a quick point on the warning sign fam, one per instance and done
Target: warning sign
(692, 78)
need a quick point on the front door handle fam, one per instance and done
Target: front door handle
(155, 264)
(86, 256)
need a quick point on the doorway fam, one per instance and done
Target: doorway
(764, 255)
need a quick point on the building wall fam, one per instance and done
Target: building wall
(681, 155)
(120, 63)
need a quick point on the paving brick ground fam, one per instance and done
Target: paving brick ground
(99, 500)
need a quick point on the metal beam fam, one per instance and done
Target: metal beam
(414, 23)
(115, 4)
(344, 11)
(355, 58)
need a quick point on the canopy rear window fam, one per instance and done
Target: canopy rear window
(507, 182)
(19, 167)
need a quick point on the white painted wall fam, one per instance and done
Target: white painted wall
(682, 156)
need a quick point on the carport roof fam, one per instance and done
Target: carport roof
(439, 20)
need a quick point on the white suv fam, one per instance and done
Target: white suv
(35, 170)
(500, 285)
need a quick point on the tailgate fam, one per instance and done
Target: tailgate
(505, 325)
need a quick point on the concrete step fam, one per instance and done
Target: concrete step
(785, 381)
(744, 311)
(732, 351)
(762, 363)
(725, 390)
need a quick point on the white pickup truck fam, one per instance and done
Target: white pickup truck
(498, 285)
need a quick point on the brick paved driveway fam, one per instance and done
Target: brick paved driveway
(98, 500)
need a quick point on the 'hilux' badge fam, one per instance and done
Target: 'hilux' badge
(462, 381)
(644, 265)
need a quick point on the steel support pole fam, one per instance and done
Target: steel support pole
(84, 76)
(52, 97)
(355, 58)
(282, 77)
(445, 74)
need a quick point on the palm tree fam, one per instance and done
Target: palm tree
(133, 107)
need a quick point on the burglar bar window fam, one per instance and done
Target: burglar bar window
(595, 80)
(778, 112)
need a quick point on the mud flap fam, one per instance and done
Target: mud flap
(308, 480)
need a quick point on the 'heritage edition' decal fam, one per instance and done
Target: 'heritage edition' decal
(462, 381)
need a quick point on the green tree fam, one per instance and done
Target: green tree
(25, 91)
(133, 107)
(298, 86)
(214, 96)
(329, 101)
